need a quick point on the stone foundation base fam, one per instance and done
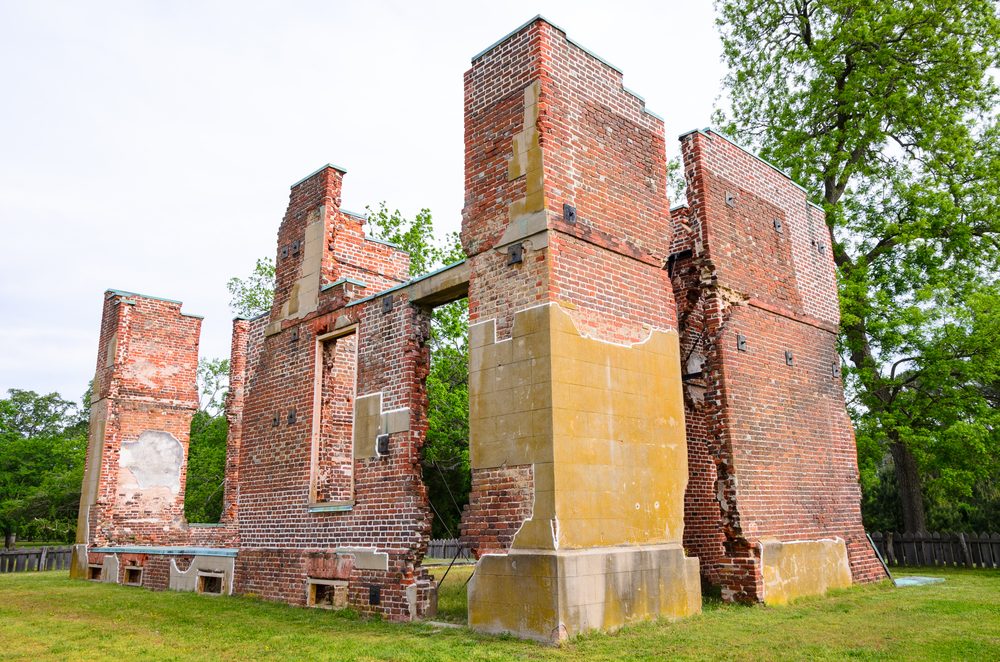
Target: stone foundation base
(809, 567)
(552, 595)
(78, 563)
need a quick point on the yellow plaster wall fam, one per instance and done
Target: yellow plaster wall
(602, 425)
(619, 444)
(367, 411)
(795, 569)
(515, 595)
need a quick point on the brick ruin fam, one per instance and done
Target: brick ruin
(655, 394)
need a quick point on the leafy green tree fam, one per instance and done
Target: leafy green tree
(416, 237)
(43, 445)
(886, 112)
(26, 414)
(676, 184)
(206, 467)
(253, 295)
(213, 385)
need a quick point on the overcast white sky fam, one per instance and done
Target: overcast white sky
(149, 146)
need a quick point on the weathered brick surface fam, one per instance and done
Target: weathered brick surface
(502, 501)
(356, 256)
(145, 381)
(703, 532)
(280, 574)
(248, 336)
(273, 364)
(593, 147)
(548, 127)
(388, 510)
(760, 268)
(155, 569)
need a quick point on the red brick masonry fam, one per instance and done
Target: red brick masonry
(744, 274)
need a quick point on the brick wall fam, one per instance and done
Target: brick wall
(377, 264)
(758, 282)
(388, 511)
(548, 126)
(565, 162)
(148, 383)
(145, 382)
(334, 450)
(496, 110)
(248, 337)
(503, 501)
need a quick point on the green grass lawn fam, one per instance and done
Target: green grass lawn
(45, 616)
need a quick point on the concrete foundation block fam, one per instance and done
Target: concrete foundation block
(553, 595)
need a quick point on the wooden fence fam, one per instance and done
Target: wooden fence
(447, 548)
(970, 550)
(26, 559)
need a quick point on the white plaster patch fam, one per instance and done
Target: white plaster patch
(214, 565)
(365, 432)
(411, 601)
(367, 558)
(151, 461)
(148, 373)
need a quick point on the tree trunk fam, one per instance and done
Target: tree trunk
(9, 538)
(908, 482)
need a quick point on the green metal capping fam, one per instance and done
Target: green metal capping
(125, 293)
(353, 213)
(406, 284)
(317, 171)
(539, 17)
(331, 508)
(359, 283)
(386, 243)
(168, 551)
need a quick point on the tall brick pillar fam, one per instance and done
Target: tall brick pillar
(144, 396)
(773, 444)
(576, 416)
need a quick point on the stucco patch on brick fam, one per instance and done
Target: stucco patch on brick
(803, 567)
